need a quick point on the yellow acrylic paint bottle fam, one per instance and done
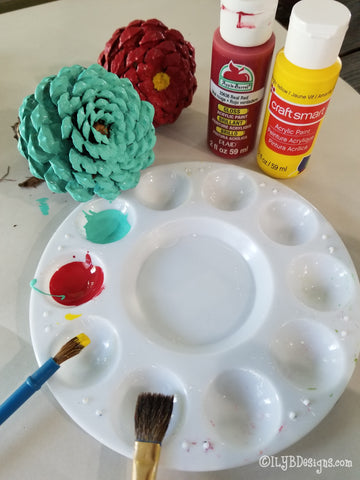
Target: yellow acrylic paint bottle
(304, 77)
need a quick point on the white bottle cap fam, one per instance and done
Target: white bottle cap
(316, 31)
(247, 23)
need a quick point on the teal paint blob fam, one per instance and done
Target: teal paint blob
(107, 226)
(43, 205)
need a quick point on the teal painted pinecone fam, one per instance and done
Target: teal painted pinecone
(85, 131)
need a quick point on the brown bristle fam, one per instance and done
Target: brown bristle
(152, 416)
(71, 348)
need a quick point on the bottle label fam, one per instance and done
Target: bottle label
(236, 99)
(292, 128)
(230, 110)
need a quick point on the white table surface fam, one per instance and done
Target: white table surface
(40, 441)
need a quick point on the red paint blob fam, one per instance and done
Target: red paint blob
(78, 281)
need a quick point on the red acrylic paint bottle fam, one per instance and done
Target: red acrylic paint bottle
(241, 55)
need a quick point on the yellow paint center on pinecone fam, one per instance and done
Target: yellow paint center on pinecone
(161, 81)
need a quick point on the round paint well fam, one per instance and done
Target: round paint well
(288, 221)
(229, 189)
(308, 355)
(96, 361)
(321, 281)
(244, 407)
(152, 379)
(198, 291)
(102, 222)
(76, 282)
(162, 189)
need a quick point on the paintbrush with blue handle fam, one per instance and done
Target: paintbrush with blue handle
(33, 383)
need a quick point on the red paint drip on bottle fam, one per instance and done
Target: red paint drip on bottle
(242, 22)
(80, 282)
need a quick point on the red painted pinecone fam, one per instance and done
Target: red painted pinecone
(159, 63)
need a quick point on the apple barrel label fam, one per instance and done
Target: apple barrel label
(232, 112)
(237, 78)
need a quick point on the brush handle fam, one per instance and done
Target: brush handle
(145, 461)
(31, 385)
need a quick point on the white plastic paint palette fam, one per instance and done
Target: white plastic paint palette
(230, 291)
